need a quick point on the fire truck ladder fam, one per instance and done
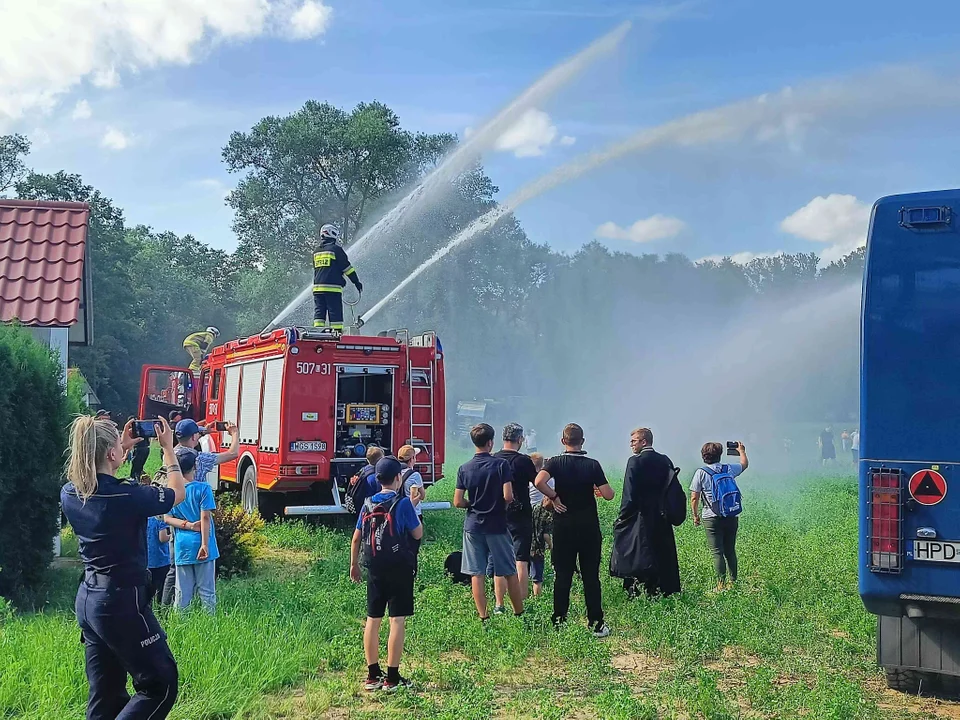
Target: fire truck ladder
(422, 401)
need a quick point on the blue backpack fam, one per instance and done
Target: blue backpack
(726, 494)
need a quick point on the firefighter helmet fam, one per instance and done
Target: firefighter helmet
(213, 331)
(331, 232)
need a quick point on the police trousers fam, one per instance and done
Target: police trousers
(328, 306)
(121, 637)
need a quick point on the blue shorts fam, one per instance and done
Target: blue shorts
(479, 549)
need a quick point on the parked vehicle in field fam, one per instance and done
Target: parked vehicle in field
(308, 403)
(909, 466)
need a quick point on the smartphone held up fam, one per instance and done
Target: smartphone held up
(733, 448)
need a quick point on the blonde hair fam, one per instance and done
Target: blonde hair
(406, 453)
(537, 459)
(374, 454)
(90, 440)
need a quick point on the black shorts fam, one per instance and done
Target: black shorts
(522, 535)
(393, 589)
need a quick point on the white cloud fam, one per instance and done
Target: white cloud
(59, 44)
(656, 227)
(309, 20)
(530, 136)
(567, 140)
(114, 139)
(840, 220)
(741, 258)
(82, 111)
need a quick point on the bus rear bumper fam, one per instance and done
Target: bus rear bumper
(926, 644)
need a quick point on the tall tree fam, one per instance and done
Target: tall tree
(320, 164)
(13, 149)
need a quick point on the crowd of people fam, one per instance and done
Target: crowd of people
(142, 540)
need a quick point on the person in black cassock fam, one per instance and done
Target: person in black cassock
(644, 548)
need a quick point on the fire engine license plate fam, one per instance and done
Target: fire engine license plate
(936, 551)
(308, 446)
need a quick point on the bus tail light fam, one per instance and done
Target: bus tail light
(885, 534)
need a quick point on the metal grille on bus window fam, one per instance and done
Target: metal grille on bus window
(885, 520)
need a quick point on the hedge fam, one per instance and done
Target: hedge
(33, 437)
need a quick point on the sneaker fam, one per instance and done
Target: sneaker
(393, 686)
(373, 683)
(601, 631)
(499, 610)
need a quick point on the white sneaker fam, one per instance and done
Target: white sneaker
(602, 631)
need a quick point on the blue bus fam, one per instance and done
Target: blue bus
(909, 467)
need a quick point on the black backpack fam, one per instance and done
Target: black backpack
(356, 492)
(385, 548)
(673, 502)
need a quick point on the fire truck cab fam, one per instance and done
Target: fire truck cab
(308, 404)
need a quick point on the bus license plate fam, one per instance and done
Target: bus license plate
(308, 446)
(936, 551)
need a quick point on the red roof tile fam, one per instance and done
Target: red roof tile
(41, 261)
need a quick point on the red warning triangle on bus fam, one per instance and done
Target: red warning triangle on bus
(928, 487)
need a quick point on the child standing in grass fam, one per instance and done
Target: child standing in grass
(388, 530)
(196, 552)
(542, 529)
(158, 554)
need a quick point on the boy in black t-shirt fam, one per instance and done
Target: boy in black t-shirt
(576, 530)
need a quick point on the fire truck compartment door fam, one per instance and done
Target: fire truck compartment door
(272, 388)
(251, 384)
(231, 401)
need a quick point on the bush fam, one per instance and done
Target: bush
(239, 539)
(33, 421)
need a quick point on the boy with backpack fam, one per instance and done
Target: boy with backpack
(386, 538)
(364, 484)
(715, 490)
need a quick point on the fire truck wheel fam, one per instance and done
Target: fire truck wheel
(907, 681)
(248, 490)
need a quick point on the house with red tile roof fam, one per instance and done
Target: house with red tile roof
(45, 277)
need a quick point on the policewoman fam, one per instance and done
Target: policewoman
(120, 634)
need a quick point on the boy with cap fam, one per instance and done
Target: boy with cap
(196, 551)
(188, 437)
(387, 532)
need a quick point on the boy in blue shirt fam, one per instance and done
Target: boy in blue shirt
(195, 552)
(387, 529)
(158, 554)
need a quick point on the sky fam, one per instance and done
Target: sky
(808, 112)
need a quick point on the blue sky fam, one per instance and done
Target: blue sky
(141, 106)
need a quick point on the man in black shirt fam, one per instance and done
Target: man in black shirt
(485, 489)
(576, 529)
(519, 512)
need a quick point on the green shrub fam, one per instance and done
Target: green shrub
(33, 422)
(239, 539)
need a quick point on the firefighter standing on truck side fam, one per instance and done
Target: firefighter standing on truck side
(331, 267)
(198, 344)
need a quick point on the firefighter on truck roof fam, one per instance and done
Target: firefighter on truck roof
(198, 344)
(331, 267)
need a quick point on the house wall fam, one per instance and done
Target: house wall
(56, 339)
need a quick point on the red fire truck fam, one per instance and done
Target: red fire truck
(308, 404)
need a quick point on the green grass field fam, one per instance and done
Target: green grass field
(791, 640)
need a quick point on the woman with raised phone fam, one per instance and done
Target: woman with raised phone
(120, 633)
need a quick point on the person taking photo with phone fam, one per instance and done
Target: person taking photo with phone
(720, 515)
(120, 633)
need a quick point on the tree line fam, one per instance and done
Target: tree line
(515, 316)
